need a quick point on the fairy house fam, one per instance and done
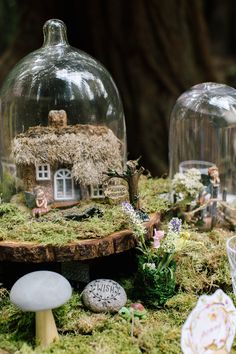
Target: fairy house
(67, 161)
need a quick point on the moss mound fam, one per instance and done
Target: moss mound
(18, 224)
(201, 268)
(154, 194)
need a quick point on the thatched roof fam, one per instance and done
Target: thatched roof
(90, 150)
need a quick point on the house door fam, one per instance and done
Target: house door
(63, 185)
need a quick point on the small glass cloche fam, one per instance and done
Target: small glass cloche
(203, 136)
(62, 123)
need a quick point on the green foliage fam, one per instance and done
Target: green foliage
(187, 186)
(155, 278)
(154, 194)
(8, 209)
(153, 286)
(202, 267)
(17, 224)
(16, 326)
(7, 187)
(84, 332)
(71, 318)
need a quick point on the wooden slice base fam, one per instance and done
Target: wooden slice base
(13, 251)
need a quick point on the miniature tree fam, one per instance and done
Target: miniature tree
(131, 175)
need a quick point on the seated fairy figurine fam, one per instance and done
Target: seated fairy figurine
(41, 202)
(213, 174)
(40, 199)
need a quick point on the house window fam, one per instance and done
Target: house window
(42, 172)
(63, 185)
(97, 191)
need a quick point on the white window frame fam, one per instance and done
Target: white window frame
(45, 168)
(65, 174)
(96, 191)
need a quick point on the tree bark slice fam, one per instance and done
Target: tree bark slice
(14, 251)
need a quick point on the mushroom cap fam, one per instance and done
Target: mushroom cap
(40, 290)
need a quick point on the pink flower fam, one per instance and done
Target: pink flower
(158, 235)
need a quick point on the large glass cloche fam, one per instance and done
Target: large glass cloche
(203, 136)
(62, 122)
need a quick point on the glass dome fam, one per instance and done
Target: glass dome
(203, 134)
(58, 78)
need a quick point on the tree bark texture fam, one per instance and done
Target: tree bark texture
(15, 251)
(154, 50)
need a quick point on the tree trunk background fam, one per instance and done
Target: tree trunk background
(154, 50)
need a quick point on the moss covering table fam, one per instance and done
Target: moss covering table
(117, 242)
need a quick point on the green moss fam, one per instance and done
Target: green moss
(16, 327)
(154, 194)
(84, 332)
(202, 267)
(17, 224)
(7, 187)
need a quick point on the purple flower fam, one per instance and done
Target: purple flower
(127, 207)
(158, 235)
(175, 225)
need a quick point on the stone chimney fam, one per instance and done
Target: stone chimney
(57, 119)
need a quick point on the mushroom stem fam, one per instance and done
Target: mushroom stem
(46, 330)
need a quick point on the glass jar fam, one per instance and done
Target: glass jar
(203, 136)
(86, 118)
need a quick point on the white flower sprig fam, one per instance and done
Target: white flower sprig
(164, 244)
(136, 221)
(137, 226)
(188, 184)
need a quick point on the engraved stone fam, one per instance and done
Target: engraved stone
(104, 295)
(116, 193)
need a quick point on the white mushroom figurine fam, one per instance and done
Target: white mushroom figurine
(40, 292)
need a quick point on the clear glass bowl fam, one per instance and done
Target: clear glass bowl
(56, 77)
(203, 133)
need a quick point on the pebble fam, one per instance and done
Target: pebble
(104, 295)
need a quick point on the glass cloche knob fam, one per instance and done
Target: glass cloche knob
(54, 33)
